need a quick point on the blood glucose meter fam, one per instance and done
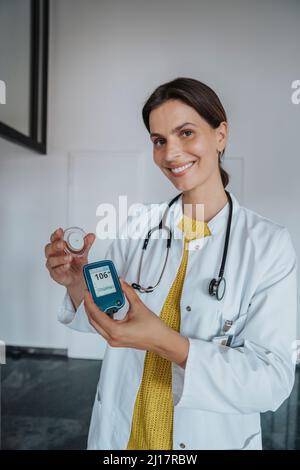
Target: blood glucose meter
(103, 283)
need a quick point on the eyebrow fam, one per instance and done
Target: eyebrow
(176, 129)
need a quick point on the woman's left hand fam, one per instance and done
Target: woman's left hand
(139, 329)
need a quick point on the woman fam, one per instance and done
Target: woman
(183, 369)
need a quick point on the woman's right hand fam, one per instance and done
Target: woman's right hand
(64, 268)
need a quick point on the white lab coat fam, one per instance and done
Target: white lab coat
(220, 394)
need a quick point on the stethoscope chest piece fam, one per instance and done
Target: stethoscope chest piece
(217, 288)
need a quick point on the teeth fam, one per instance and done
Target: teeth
(181, 168)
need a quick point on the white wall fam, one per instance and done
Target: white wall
(105, 59)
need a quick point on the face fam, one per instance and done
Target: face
(185, 146)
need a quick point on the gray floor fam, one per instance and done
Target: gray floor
(46, 404)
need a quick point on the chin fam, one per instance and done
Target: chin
(185, 186)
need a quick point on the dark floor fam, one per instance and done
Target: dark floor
(46, 404)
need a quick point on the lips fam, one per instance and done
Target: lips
(180, 170)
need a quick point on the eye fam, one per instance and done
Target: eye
(187, 131)
(158, 142)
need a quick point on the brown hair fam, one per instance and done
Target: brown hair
(195, 94)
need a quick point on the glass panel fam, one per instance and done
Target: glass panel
(15, 40)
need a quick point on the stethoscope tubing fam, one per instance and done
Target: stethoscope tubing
(214, 288)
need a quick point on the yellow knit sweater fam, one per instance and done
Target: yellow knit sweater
(152, 421)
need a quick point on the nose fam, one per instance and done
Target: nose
(173, 151)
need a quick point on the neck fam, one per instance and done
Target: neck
(213, 199)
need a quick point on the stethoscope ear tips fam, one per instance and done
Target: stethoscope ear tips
(217, 288)
(141, 289)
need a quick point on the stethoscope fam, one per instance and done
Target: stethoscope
(217, 286)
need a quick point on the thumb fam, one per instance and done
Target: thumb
(129, 291)
(89, 240)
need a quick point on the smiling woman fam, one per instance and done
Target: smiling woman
(186, 367)
(203, 124)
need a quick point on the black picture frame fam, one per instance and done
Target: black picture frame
(39, 45)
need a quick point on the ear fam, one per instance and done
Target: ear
(221, 136)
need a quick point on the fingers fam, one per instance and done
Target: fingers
(100, 318)
(55, 240)
(57, 244)
(58, 234)
(55, 248)
(98, 328)
(89, 240)
(129, 291)
(55, 273)
(57, 261)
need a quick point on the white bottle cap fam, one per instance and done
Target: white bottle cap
(74, 238)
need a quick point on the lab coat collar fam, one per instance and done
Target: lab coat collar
(216, 225)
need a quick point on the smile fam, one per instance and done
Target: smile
(178, 171)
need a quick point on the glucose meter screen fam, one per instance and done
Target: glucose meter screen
(102, 281)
